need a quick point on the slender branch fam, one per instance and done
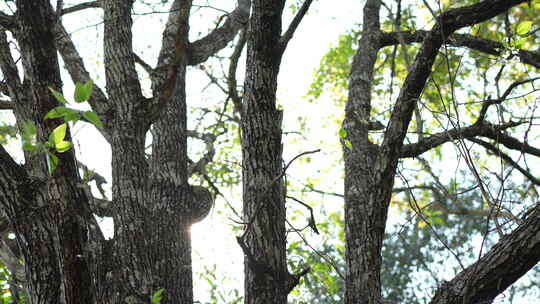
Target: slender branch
(459, 40)
(233, 66)
(294, 25)
(505, 157)
(81, 6)
(478, 129)
(506, 93)
(208, 139)
(311, 223)
(78, 72)
(512, 143)
(143, 64)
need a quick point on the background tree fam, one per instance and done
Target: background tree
(371, 162)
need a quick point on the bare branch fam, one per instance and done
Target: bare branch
(233, 66)
(514, 255)
(506, 158)
(447, 23)
(487, 103)
(512, 143)
(478, 129)
(123, 84)
(208, 139)
(81, 6)
(143, 64)
(294, 25)
(216, 40)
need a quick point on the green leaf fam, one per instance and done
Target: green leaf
(520, 42)
(524, 27)
(157, 296)
(29, 147)
(72, 116)
(58, 134)
(348, 144)
(58, 112)
(93, 118)
(52, 161)
(28, 134)
(29, 128)
(63, 146)
(58, 96)
(342, 133)
(83, 91)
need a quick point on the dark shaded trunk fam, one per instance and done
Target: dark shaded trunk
(54, 242)
(264, 197)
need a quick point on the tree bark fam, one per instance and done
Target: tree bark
(264, 240)
(370, 169)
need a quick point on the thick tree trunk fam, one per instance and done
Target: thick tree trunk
(365, 210)
(66, 258)
(264, 241)
(54, 242)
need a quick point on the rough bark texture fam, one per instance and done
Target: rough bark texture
(264, 197)
(66, 258)
(370, 169)
(49, 215)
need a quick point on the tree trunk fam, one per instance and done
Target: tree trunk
(264, 240)
(365, 210)
(370, 169)
(55, 242)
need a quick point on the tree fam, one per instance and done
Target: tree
(66, 258)
(370, 168)
(264, 239)
(49, 208)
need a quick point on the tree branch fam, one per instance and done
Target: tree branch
(6, 104)
(459, 40)
(447, 23)
(208, 139)
(511, 142)
(216, 40)
(233, 66)
(478, 129)
(514, 255)
(78, 72)
(123, 84)
(294, 25)
(506, 158)
(81, 6)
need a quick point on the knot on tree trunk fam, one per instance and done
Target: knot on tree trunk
(200, 202)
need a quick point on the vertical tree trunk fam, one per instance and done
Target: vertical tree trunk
(365, 211)
(264, 201)
(54, 242)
